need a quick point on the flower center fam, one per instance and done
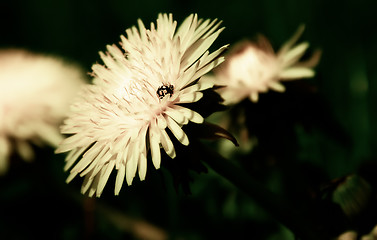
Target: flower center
(165, 90)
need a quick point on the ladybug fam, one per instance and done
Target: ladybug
(165, 90)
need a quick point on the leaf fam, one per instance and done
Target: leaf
(210, 131)
(352, 195)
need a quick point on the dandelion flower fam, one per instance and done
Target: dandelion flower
(253, 68)
(35, 94)
(135, 97)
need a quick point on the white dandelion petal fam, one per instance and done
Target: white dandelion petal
(71, 176)
(277, 86)
(131, 164)
(135, 97)
(142, 162)
(188, 77)
(205, 83)
(104, 176)
(254, 68)
(25, 150)
(177, 116)
(49, 134)
(142, 167)
(161, 122)
(92, 185)
(190, 89)
(198, 48)
(254, 96)
(85, 160)
(101, 163)
(288, 45)
(297, 72)
(72, 157)
(294, 54)
(4, 153)
(189, 114)
(191, 97)
(183, 30)
(154, 141)
(78, 140)
(167, 144)
(206, 68)
(119, 148)
(119, 179)
(206, 59)
(177, 131)
(91, 166)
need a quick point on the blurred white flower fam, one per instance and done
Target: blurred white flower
(35, 94)
(353, 235)
(135, 96)
(253, 68)
(349, 235)
(372, 235)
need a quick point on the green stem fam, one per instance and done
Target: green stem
(273, 203)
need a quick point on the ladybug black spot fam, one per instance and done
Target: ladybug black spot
(165, 90)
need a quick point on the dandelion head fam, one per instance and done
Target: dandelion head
(35, 94)
(138, 100)
(253, 68)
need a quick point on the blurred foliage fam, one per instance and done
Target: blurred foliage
(310, 140)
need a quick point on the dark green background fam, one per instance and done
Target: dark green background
(77, 30)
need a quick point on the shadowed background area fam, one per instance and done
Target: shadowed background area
(311, 137)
